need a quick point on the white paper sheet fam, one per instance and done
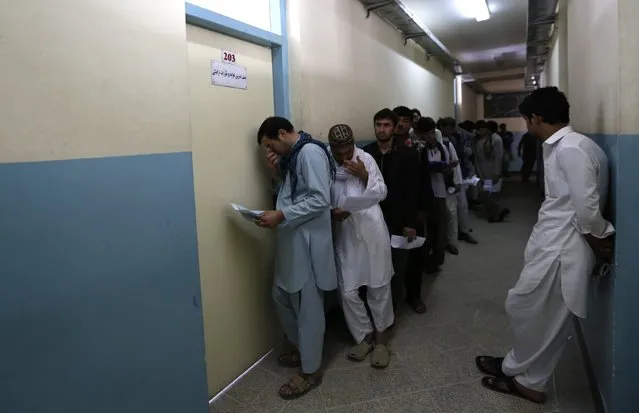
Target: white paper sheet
(472, 181)
(488, 185)
(226, 74)
(403, 244)
(358, 203)
(247, 213)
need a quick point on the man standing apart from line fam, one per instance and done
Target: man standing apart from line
(304, 257)
(362, 248)
(570, 235)
(399, 166)
(488, 152)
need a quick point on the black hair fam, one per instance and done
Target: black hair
(481, 124)
(403, 112)
(502, 125)
(271, 126)
(425, 125)
(549, 103)
(448, 122)
(493, 126)
(416, 111)
(386, 114)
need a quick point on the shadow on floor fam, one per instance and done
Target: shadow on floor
(432, 370)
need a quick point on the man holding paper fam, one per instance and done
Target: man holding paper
(362, 247)
(304, 257)
(488, 152)
(399, 166)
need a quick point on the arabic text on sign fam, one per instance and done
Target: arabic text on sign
(228, 75)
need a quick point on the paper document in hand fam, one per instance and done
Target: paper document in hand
(496, 186)
(247, 213)
(358, 203)
(403, 244)
(488, 185)
(472, 181)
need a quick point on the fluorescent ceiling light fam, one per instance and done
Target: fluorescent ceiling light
(481, 10)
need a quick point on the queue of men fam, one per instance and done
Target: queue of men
(414, 180)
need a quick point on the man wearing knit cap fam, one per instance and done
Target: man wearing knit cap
(362, 248)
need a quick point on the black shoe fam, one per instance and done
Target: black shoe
(503, 214)
(467, 238)
(452, 249)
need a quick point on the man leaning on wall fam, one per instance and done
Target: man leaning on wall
(569, 237)
(304, 256)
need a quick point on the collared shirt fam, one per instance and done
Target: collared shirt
(437, 179)
(576, 176)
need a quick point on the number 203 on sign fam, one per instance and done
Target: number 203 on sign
(228, 57)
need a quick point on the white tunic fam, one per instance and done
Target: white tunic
(576, 180)
(362, 241)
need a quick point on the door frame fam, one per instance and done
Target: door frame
(210, 20)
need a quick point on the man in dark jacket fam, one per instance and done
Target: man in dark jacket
(400, 168)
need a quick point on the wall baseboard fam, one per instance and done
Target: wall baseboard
(590, 372)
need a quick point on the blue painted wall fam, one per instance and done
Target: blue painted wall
(100, 308)
(610, 329)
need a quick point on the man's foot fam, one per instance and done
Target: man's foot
(452, 249)
(417, 305)
(508, 385)
(433, 270)
(359, 351)
(380, 359)
(490, 366)
(463, 236)
(299, 385)
(503, 214)
(290, 359)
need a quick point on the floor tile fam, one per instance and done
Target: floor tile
(421, 402)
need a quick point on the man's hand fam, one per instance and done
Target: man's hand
(272, 162)
(410, 233)
(339, 214)
(270, 219)
(357, 169)
(602, 247)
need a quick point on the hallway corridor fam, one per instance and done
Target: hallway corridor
(432, 370)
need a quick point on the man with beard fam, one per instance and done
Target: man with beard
(399, 166)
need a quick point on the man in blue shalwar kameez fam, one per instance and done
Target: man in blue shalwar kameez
(304, 255)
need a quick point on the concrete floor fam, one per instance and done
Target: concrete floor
(432, 370)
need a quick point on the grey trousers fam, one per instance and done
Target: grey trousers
(302, 317)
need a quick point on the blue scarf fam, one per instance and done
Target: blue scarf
(288, 165)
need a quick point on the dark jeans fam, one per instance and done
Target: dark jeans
(527, 168)
(400, 261)
(437, 234)
(415, 269)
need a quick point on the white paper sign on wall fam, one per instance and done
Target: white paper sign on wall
(229, 57)
(228, 75)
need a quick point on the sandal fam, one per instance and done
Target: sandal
(380, 359)
(490, 366)
(506, 385)
(359, 351)
(417, 305)
(299, 385)
(290, 359)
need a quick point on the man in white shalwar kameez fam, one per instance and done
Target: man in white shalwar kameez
(362, 248)
(568, 239)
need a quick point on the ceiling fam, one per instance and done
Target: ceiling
(492, 53)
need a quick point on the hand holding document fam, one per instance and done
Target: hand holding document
(488, 185)
(359, 203)
(472, 181)
(247, 213)
(402, 243)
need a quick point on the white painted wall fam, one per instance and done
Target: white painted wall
(468, 110)
(345, 67)
(89, 78)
